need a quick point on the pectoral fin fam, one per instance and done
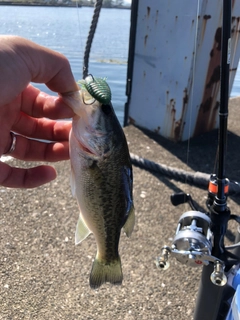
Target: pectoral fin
(129, 224)
(82, 230)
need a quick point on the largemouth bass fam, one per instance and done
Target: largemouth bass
(101, 180)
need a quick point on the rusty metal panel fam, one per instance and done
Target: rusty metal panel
(176, 71)
(207, 96)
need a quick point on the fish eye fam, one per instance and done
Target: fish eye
(106, 108)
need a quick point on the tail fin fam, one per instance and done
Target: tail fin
(102, 273)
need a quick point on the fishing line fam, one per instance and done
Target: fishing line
(79, 26)
(193, 78)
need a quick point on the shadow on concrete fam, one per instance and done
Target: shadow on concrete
(201, 153)
(175, 189)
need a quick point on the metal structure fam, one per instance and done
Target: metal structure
(173, 81)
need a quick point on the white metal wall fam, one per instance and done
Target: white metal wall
(175, 88)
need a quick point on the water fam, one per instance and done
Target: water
(66, 30)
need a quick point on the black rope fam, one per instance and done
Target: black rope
(198, 179)
(97, 9)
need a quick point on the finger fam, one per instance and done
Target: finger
(25, 178)
(23, 59)
(47, 66)
(32, 150)
(42, 128)
(39, 104)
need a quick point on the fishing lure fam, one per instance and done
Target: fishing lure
(97, 88)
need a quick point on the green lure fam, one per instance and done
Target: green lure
(97, 88)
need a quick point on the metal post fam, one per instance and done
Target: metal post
(131, 51)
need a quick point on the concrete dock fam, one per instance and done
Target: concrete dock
(43, 275)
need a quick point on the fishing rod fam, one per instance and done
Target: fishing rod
(213, 277)
(199, 238)
(220, 201)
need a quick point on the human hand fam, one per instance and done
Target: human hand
(24, 109)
